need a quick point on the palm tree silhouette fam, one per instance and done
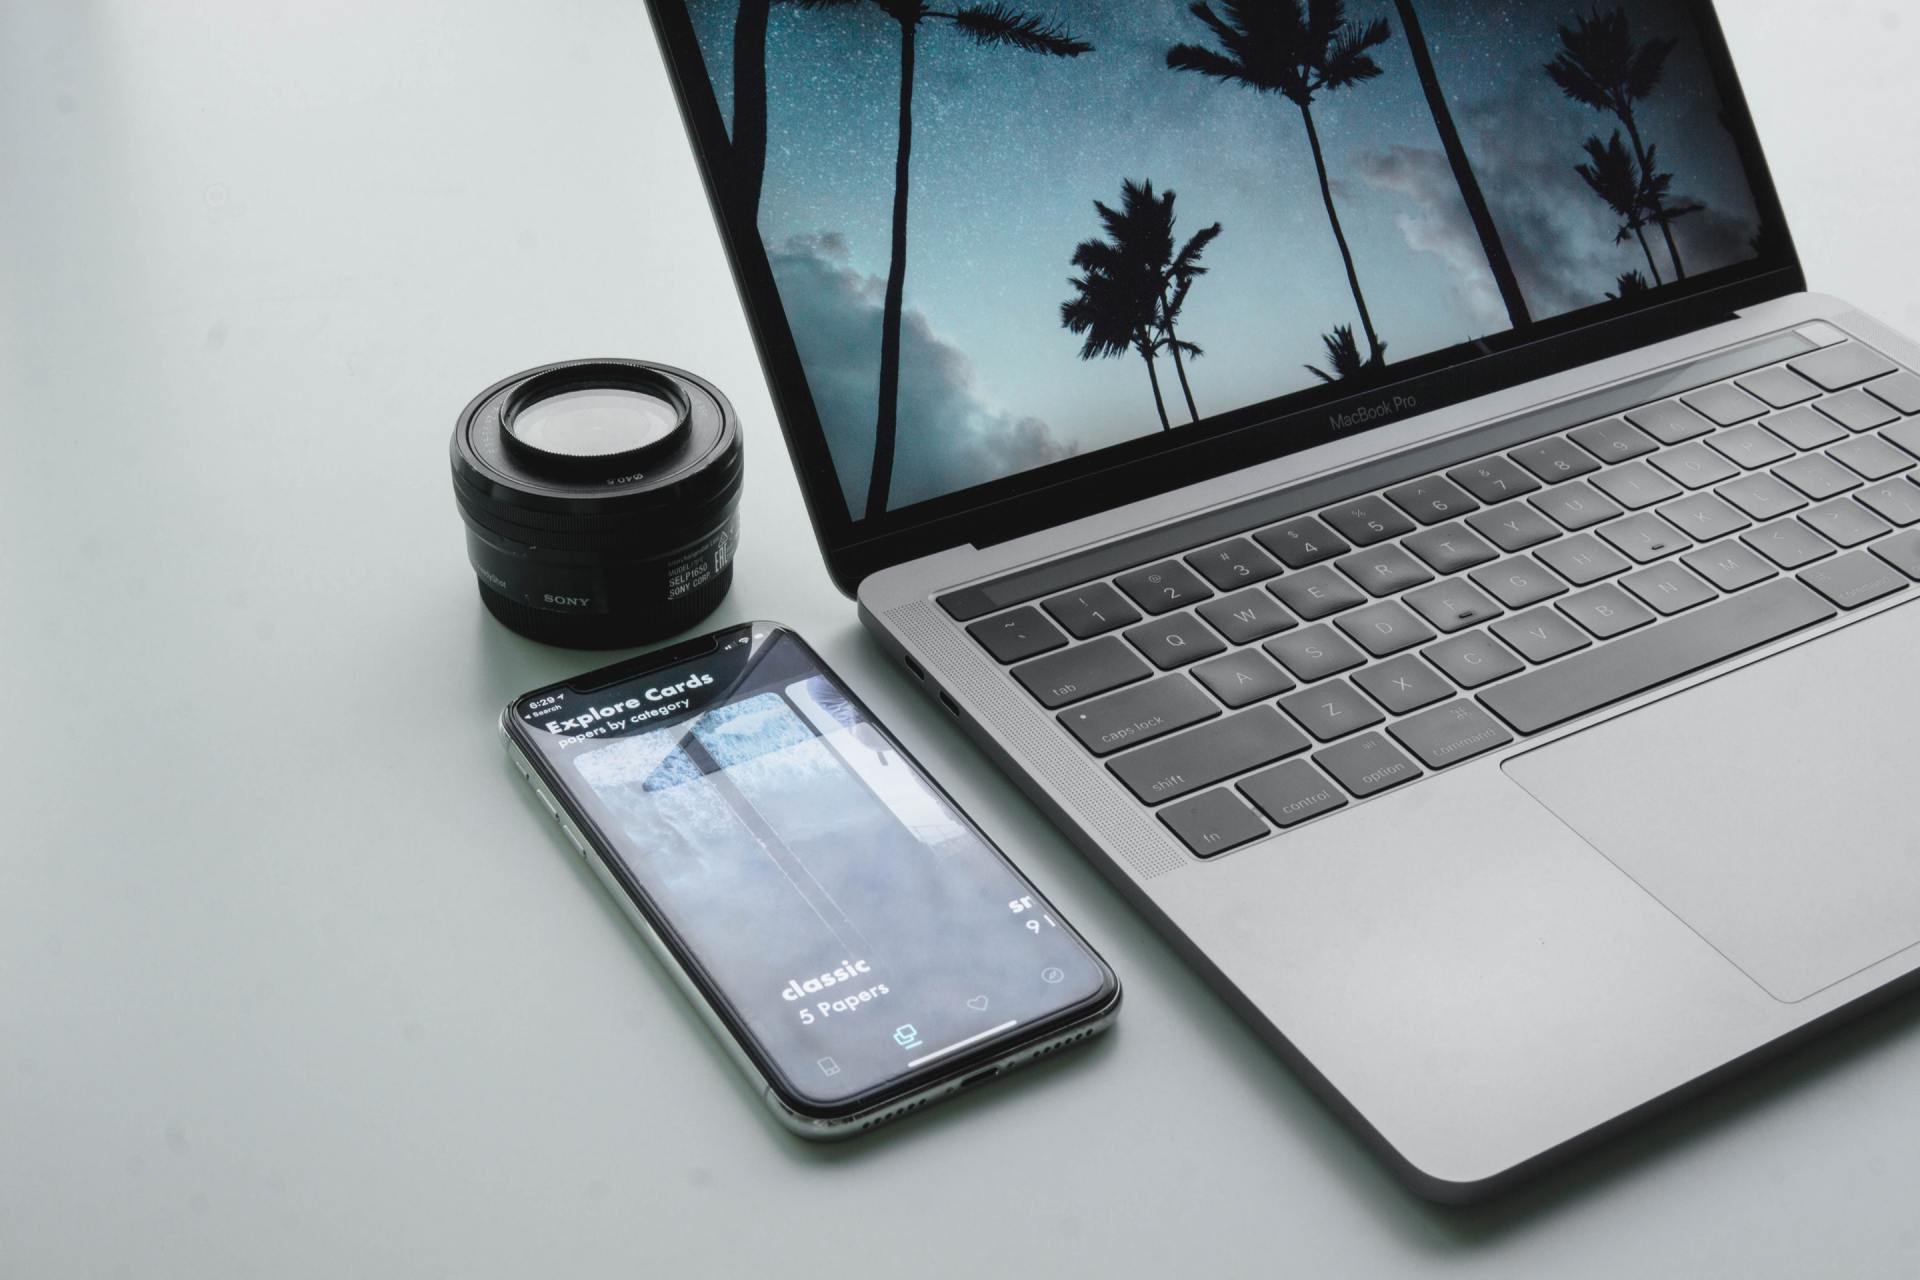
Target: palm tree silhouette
(1632, 193)
(1615, 178)
(1343, 356)
(1133, 285)
(993, 25)
(1476, 201)
(1298, 49)
(1116, 316)
(1630, 284)
(749, 137)
(1600, 66)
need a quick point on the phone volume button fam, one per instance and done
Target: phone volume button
(574, 837)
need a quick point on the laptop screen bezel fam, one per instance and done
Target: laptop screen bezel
(1064, 491)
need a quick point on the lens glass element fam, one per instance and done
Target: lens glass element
(595, 421)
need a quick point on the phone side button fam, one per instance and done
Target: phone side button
(579, 844)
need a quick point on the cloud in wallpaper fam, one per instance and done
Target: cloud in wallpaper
(1279, 206)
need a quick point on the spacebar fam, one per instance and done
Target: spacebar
(1600, 677)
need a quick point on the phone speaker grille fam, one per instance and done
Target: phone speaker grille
(1067, 777)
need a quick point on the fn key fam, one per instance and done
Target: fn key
(1213, 823)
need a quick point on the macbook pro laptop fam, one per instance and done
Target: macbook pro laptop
(1375, 476)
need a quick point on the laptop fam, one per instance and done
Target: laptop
(1375, 476)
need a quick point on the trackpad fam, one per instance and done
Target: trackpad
(1772, 809)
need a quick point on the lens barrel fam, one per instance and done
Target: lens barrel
(610, 518)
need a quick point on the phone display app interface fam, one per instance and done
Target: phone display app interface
(856, 924)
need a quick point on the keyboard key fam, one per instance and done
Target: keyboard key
(1301, 542)
(1174, 641)
(1403, 684)
(1637, 485)
(1331, 710)
(1450, 735)
(1493, 480)
(1091, 611)
(1606, 611)
(1845, 523)
(1730, 566)
(1433, 500)
(1016, 636)
(1314, 654)
(1233, 565)
(1367, 765)
(1453, 605)
(1519, 582)
(1857, 411)
(1855, 579)
(1085, 671)
(1751, 446)
(1644, 538)
(1242, 678)
(1213, 823)
(1473, 659)
(1384, 629)
(1187, 762)
(1704, 517)
(1554, 459)
(1726, 404)
(1582, 560)
(1902, 391)
(1162, 588)
(1897, 502)
(1600, 677)
(1615, 440)
(1450, 548)
(1817, 476)
(1365, 521)
(1246, 616)
(1695, 465)
(1670, 422)
(1317, 593)
(1291, 793)
(1902, 551)
(1837, 368)
(1140, 714)
(1576, 506)
(1384, 571)
(1788, 543)
(1871, 457)
(1668, 588)
(1805, 429)
(1762, 497)
(1906, 435)
(1541, 635)
(1514, 527)
(1780, 387)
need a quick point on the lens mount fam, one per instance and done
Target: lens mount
(611, 520)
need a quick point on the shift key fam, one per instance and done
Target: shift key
(1139, 714)
(1210, 754)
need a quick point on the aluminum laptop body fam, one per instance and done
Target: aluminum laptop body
(1518, 740)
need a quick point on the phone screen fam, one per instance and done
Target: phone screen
(856, 926)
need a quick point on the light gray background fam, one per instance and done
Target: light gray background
(296, 979)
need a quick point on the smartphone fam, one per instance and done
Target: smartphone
(856, 942)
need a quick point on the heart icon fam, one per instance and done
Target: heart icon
(977, 1003)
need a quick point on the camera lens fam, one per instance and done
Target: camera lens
(600, 499)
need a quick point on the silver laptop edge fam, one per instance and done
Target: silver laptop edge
(1477, 1001)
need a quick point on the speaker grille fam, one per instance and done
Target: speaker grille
(1075, 780)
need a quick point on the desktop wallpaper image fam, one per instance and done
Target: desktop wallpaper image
(1007, 234)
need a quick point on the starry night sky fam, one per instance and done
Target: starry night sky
(1011, 149)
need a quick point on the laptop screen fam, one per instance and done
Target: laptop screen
(1011, 239)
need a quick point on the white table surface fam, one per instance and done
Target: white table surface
(295, 978)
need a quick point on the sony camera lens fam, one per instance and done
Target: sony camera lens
(600, 499)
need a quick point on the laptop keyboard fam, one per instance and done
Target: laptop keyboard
(1259, 682)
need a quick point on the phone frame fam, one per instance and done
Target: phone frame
(804, 1116)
